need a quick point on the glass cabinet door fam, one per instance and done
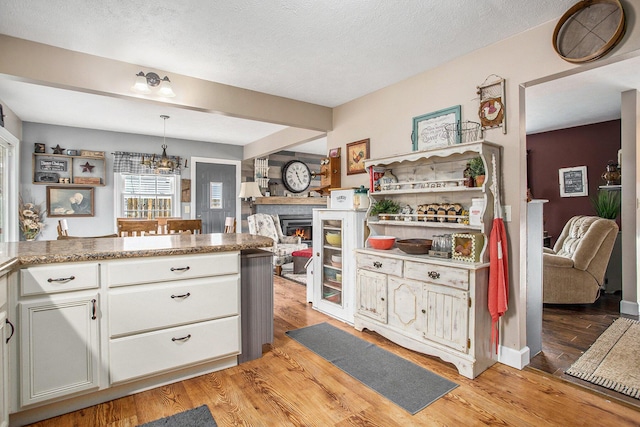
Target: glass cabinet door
(332, 261)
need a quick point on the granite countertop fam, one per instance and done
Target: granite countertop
(77, 250)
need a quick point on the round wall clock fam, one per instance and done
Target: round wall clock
(588, 30)
(296, 176)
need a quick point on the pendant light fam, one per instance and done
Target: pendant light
(165, 164)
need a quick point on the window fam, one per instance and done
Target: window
(147, 196)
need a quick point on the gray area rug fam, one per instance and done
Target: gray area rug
(404, 383)
(300, 279)
(196, 417)
(613, 361)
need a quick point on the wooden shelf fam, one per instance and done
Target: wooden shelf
(72, 171)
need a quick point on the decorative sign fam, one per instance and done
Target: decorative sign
(573, 182)
(53, 165)
(492, 110)
(429, 130)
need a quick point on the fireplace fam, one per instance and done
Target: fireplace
(298, 225)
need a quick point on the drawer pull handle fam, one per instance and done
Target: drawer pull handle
(181, 338)
(13, 329)
(187, 295)
(93, 309)
(433, 274)
(187, 268)
(377, 264)
(61, 279)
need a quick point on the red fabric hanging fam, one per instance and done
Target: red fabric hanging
(498, 277)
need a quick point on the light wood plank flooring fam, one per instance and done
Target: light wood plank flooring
(568, 331)
(291, 386)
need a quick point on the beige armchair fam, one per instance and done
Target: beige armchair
(283, 246)
(573, 271)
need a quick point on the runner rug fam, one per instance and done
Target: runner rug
(196, 417)
(613, 361)
(404, 383)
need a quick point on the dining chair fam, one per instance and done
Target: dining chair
(182, 225)
(230, 224)
(63, 228)
(137, 227)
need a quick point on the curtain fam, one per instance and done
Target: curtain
(140, 163)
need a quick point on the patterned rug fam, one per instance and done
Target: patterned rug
(613, 361)
(300, 279)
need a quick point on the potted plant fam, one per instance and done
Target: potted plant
(607, 204)
(384, 206)
(476, 170)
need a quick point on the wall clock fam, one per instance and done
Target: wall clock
(296, 176)
(588, 30)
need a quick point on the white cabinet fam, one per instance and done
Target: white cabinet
(336, 234)
(434, 305)
(59, 346)
(170, 312)
(58, 309)
(6, 330)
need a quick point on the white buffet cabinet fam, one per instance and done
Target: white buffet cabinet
(433, 305)
(92, 331)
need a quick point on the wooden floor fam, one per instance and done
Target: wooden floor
(291, 386)
(568, 331)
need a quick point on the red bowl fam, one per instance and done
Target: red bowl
(382, 242)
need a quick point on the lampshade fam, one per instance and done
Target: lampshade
(165, 89)
(249, 189)
(140, 86)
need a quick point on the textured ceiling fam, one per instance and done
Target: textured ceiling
(324, 52)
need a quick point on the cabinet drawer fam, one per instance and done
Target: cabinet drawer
(144, 308)
(168, 349)
(381, 264)
(158, 269)
(54, 278)
(439, 274)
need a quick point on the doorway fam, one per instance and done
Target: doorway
(214, 192)
(9, 147)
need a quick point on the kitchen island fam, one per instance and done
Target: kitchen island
(96, 319)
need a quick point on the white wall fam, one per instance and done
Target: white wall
(386, 117)
(109, 142)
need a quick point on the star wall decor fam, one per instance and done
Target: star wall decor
(87, 167)
(58, 150)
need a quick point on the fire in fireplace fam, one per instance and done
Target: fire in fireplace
(298, 225)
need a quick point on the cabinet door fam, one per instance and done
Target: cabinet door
(406, 310)
(59, 347)
(4, 372)
(447, 316)
(371, 295)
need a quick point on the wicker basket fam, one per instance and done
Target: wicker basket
(467, 131)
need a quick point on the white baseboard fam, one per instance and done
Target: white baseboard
(515, 358)
(629, 307)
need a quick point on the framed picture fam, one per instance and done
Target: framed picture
(70, 201)
(429, 129)
(357, 152)
(185, 196)
(39, 147)
(334, 152)
(573, 182)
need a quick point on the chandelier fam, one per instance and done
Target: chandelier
(164, 164)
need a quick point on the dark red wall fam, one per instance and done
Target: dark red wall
(591, 146)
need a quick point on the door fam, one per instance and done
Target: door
(216, 192)
(371, 294)
(53, 333)
(4, 371)
(8, 193)
(447, 316)
(405, 305)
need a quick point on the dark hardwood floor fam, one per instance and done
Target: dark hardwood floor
(291, 386)
(568, 331)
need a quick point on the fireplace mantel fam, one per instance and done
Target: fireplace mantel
(313, 201)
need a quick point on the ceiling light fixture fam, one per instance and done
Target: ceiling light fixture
(164, 164)
(144, 83)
